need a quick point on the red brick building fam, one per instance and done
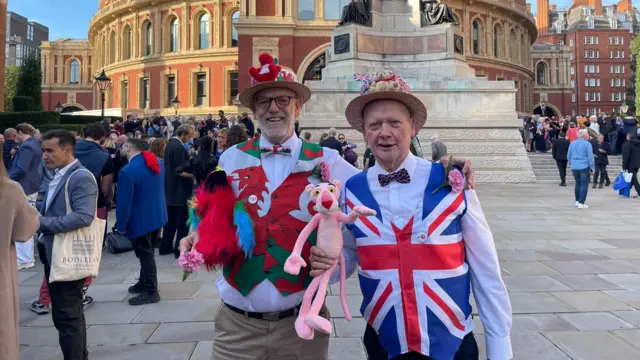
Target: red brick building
(598, 38)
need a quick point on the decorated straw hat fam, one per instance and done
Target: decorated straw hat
(384, 85)
(272, 75)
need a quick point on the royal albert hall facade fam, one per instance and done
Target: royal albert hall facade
(199, 51)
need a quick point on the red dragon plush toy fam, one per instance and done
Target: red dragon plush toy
(268, 71)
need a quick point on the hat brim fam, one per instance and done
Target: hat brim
(302, 92)
(356, 107)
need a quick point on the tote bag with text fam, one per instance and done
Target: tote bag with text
(76, 254)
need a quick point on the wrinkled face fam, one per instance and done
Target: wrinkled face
(600, 139)
(388, 130)
(55, 156)
(276, 110)
(325, 195)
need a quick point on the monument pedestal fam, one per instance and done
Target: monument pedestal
(474, 117)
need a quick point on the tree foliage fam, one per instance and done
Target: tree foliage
(30, 80)
(12, 73)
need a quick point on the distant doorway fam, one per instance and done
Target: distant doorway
(70, 109)
(549, 111)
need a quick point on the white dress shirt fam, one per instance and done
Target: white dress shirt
(277, 167)
(398, 202)
(59, 174)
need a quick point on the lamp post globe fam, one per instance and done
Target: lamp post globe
(102, 83)
(623, 108)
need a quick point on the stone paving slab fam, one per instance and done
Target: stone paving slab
(573, 278)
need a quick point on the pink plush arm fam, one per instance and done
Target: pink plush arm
(304, 234)
(347, 219)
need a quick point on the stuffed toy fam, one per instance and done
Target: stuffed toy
(223, 223)
(329, 220)
(268, 71)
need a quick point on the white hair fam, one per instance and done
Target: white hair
(593, 118)
(581, 133)
(333, 132)
(434, 137)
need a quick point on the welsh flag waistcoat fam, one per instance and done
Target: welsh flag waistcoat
(279, 214)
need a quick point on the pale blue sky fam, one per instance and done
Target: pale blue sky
(70, 18)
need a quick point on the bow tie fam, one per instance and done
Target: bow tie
(276, 149)
(401, 176)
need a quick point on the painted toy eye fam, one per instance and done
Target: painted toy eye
(316, 192)
(332, 189)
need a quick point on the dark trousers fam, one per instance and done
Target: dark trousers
(562, 169)
(468, 349)
(582, 184)
(68, 316)
(601, 172)
(176, 225)
(144, 249)
(634, 180)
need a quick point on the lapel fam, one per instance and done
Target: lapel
(62, 183)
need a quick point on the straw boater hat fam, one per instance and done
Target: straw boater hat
(272, 75)
(385, 85)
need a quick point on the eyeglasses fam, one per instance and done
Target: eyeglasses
(281, 101)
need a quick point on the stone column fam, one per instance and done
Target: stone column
(219, 25)
(135, 37)
(186, 21)
(553, 78)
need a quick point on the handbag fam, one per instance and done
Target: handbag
(76, 254)
(117, 243)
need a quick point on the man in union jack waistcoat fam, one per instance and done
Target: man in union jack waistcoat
(428, 246)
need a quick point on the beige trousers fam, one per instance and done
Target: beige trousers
(238, 337)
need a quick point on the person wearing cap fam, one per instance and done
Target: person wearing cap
(428, 246)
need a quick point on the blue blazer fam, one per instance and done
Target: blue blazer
(141, 207)
(25, 165)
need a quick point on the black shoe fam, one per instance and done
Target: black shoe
(176, 253)
(563, 184)
(594, 186)
(144, 298)
(135, 289)
(600, 186)
(608, 184)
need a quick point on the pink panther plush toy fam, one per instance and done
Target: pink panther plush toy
(329, 221)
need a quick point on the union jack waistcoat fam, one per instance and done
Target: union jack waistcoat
(414, 280)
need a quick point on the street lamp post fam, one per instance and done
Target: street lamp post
(102, 82)
(175, 102)
(623, 108)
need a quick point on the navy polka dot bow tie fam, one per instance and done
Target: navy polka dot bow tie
(401, 176)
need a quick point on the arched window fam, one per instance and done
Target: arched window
(112, 48)
(148, 39)
(173, 36)
(306, 9)
(234, 32)
(333, 9)
(476, 37)
(74, 72)
(203, 32)
(314, 71)
(126, 44)
(541, 73)
(496, 40)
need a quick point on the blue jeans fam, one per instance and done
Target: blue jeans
(582, 184)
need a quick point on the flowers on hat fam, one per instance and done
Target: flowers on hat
(384, 80)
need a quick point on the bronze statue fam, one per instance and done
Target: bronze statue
(436, 13)
(357, 12)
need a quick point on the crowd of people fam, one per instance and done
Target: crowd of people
(584, 144)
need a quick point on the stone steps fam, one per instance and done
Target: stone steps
(546, 171)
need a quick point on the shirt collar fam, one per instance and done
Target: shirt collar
(63, 171)
(293, 143)
(409, 163)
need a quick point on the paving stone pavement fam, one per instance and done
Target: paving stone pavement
(573, 277)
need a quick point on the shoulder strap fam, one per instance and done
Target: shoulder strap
(66, 188)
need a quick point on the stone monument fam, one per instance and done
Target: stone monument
(474, 117)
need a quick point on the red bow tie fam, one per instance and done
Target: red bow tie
(276, 149)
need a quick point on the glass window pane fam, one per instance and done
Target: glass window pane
(233, 84)
(174, 36)
(201, 90)
(204, 31)
(149, 39)
(234, 32)
(171, 90)
(306, 9)
(333, 9)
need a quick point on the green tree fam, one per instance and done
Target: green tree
(12, 73)
(30, 80)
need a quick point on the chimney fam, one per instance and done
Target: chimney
(553, 7)
(529, 8)
(596, 5)
(542, 20)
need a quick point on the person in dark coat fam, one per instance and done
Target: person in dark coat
(178, 189)
(631, 160)
(601, 151)
(332, 142)
(248, 123)
(559, 152)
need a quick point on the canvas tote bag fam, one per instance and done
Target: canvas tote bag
(76, 254)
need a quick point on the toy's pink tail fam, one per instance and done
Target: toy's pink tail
(343, 283)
